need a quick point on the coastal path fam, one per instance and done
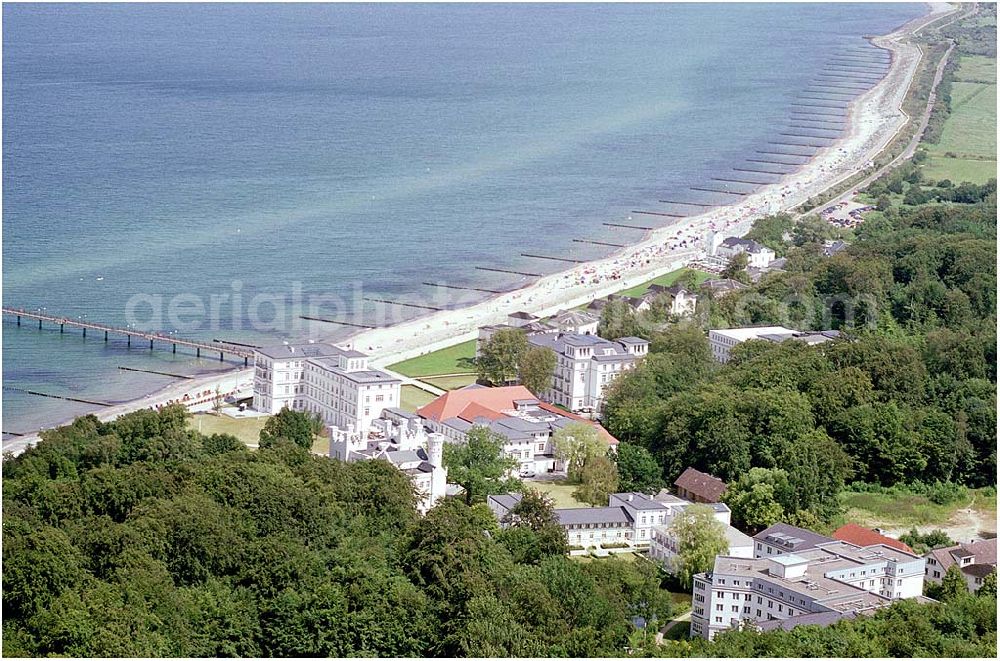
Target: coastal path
(911, 147)
(223, 348)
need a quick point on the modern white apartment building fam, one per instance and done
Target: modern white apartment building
(323, 379)
(585, 366)
(400, 438)
(723, 340)
(835, 577)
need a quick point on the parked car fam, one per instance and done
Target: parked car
(527, 472)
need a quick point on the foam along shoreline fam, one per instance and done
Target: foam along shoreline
(873, 120)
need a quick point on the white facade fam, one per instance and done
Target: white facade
(399, 438)
(723, 340)
(664, 548)
(628, 519)
(835, 577)
(585, 366)
(975, 560)
(758, 256)
(332, 382)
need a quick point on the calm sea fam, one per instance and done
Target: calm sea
(163, 155)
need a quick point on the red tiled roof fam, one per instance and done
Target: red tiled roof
(701, 484)
(474, 402)
(451, 404)
(861, 536)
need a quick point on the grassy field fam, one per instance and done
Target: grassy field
(901, 510)
(245, 429)
(450, 382)
(411, 398)
(560, 492)
(450, 360)
(666, 279)
(968, 146)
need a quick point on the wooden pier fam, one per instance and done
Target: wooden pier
(222, 348)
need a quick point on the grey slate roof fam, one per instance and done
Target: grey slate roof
(300, 350)
(592, 515)
(819, 619)
(790, 538)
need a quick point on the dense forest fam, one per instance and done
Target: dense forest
(907, 396)
(142, 538)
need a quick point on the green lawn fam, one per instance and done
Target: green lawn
(560, 492)
(245, 429)
(450, 382)
(666, 279)
(455, 359)
(968, 146)
(411, 398)
(958, 170)
(977, 67)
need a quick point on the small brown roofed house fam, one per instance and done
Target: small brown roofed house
(699, 487)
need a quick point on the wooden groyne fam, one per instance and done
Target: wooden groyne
(783, 153)
(599, 243)
(658, 213)
(817, 105)
(771, 161)
(170, 374)
(80, 400)
(718, 190)
(441, 284)
(223, 348)
(799, 144)
(692, 204)
(555, 259)
(742, 181)
(496, 270)
(335, 321)
(759, 170)
(813, 128)
(631, 227)
(407, 305)
(806, 135)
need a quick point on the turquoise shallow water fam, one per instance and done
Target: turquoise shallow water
(152, 152)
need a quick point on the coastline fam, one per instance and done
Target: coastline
(873, 120)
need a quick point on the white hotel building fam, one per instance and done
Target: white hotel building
(585, 366)
(334, 383)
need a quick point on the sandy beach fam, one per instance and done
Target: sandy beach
(874, 119)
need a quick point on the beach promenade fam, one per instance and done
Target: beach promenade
(874, 120)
